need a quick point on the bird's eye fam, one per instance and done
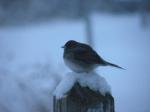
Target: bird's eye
(71, 44)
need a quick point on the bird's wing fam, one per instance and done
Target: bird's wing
(87, 55)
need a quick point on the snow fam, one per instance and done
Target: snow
(27, 92)
(31, 58)
(64, 86)
(92, 80)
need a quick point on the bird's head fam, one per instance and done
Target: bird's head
(70, 44)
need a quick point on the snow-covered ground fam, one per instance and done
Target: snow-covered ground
(31, 63)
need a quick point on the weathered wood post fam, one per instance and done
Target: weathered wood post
(83, 99)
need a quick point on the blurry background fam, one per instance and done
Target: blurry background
(33, 31)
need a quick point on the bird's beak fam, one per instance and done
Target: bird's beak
(62, 46)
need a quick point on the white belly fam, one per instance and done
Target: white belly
(74, 67)
(77, 68)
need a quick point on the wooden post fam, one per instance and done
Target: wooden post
(83, 99)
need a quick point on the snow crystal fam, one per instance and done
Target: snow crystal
(91, 80)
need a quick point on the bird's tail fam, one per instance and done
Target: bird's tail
(114, 65)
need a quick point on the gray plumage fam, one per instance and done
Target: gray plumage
(81, 57)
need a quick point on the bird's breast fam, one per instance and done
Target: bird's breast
(73, 66)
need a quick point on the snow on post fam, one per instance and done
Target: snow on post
(83, 92)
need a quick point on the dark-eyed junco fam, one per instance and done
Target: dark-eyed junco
(80, 57)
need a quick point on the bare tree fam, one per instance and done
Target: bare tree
(84, 13)
(144, 12)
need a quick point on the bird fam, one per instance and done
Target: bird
(82, 58)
